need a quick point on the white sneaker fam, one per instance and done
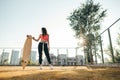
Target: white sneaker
(51, 67)
(40, 67)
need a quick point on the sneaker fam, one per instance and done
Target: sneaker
(51, 67)
(40, 67)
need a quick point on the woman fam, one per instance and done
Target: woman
(43, 45)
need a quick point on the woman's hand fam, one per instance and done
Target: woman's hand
(33, 38)
(29, 36)
(49, 48)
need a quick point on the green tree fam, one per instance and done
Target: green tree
(85, 21)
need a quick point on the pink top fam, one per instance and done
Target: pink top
(44, 38)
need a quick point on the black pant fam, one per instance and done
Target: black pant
(40, 48)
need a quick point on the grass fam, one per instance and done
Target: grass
(58, 73)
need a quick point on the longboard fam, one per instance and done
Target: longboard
(26, 51)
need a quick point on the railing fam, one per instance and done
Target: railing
(106, 50)
(59, 56)
(109, 48)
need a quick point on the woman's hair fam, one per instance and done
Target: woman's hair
(44, 31)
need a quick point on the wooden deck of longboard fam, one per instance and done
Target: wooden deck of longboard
(26, 51)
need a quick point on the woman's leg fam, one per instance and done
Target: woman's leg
(47, 53)
(40, 52)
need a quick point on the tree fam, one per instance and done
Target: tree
(85, 21)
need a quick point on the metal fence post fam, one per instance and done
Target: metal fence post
(101, 49)
(57, 56)
(67, 56)
(95, 53)
(76, 56)
(111, 48)
(2, 57)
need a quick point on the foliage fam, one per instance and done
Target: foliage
(87, 18)
(86, 22)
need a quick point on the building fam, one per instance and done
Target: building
(15, 58)
(71, 61)
(79, 60)
(0, 58)
(62, 59)
(53, 60)
(5, 58)
(33, 57)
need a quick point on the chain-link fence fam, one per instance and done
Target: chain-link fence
(107, 45)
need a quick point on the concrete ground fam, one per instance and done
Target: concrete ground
(59, 73)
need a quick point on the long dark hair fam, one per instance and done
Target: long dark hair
(44, 31)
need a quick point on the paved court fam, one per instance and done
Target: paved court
(58, 73)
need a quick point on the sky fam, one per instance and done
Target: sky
(21, 17)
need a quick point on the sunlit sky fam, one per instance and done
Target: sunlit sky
(21, 17)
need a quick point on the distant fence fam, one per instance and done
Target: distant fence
(59, 56)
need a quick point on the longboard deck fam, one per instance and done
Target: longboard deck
(26, 51)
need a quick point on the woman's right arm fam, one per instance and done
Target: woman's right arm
(36, 39)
